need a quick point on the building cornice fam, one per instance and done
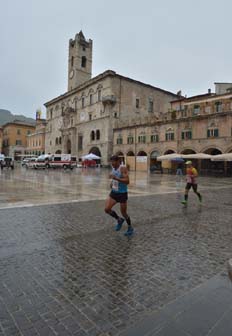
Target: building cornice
(174, 121)
(107, 73)
(203, 98)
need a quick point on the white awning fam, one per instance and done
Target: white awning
(169, 156)
(196, 156)
(222, 157)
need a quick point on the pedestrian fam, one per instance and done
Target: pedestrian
(179, 171)
(191, 179)
(118, 194)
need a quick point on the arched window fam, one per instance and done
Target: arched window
(154, 138)
(56, 141)
(99, 95)
(92, 136)
(72, 61)
(75, 102)
(83, 62)
(130, 139)
(119, 140)
(91, 99)
(98, 135)
(186, 134)
(212, 132)
(60, 140)
(99, 92)
(169, 136)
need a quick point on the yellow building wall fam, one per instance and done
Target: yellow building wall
(11, 132)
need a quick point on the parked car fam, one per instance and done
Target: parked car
(26, 160)
(29, 163)
(8, 162)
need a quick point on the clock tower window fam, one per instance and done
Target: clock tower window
(83, 62)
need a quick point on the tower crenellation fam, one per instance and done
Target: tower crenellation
(79, 61)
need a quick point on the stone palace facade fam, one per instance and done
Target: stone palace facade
(112, 114)
(83, 119)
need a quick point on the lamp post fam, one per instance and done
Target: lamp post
(135, 147)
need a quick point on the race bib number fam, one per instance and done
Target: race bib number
(115, 185)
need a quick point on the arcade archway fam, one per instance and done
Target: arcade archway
(212, 168)
(69, 146)
(130, 160)
(188, 151)
(154, 164)
(141, 163)
(96, 151)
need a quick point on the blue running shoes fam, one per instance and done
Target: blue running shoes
(119, 225)
(129, 231)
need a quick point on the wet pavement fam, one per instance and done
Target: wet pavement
(64, 271)
(204, 311)
(29, 187)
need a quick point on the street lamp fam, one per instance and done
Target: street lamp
(135, 146)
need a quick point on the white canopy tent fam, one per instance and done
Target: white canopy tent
(91, 156)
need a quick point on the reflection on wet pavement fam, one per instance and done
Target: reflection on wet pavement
(23, 187)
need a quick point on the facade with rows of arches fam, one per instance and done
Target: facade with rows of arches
(201, 124)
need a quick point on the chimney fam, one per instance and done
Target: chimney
(209, 91)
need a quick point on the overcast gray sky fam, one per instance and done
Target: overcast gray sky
(172, 44)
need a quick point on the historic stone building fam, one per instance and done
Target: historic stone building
(201, 123)
(82, 120)
(36, 139)
(15, 138)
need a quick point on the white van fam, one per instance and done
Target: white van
(62, 161)
(42, 162)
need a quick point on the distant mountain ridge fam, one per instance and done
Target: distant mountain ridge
(6, 116)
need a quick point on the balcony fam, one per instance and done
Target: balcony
(111, 100)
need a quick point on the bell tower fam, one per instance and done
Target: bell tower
(79, 61)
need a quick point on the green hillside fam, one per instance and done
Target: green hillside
(6, 116)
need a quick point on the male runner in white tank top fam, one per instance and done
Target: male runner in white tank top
(118, 194)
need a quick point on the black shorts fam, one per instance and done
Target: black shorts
(191, 185)
(119, 197)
